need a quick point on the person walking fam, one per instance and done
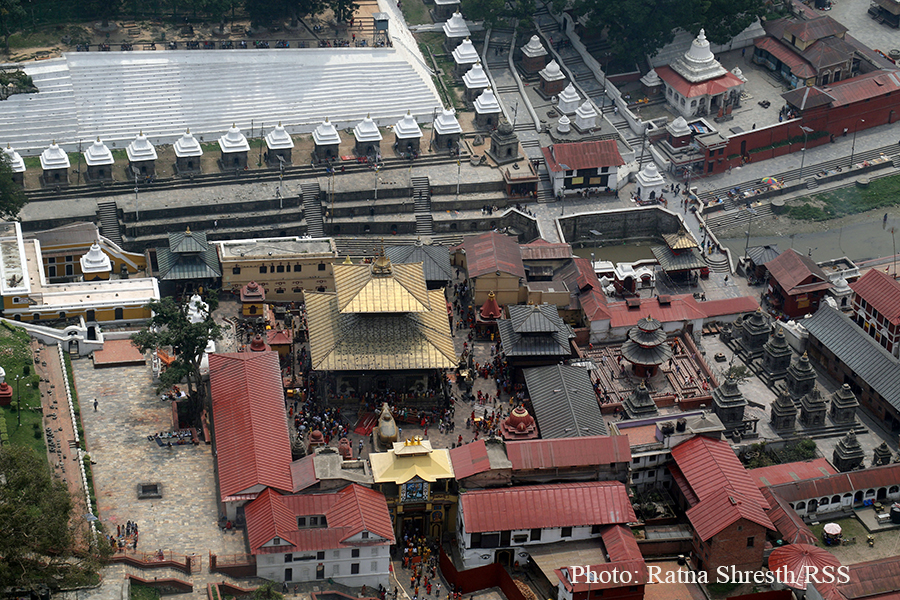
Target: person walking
(95, 405)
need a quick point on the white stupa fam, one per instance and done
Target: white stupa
(95, 262)
(54, 158)
(446, 122)
(568, 100)
(456, 27)
(325, 134)
(586, 116)
(233, 141)
(649, 182)
(698, 63)
(279, 139)
(140, 149)
(564, 125)
(197, 309)
(651, 79)
(367, 131)
(407, 128)
(187, 145)
(552, 72)
(487, 103)
(465, 54)
(739, 74)
(98, 154)
(534, 48)
(475, 78)
(678, 127)
(15, 160)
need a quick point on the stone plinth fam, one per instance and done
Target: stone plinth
(568, 100)
(776, 355)
(465, 56)
(233, 150)
(278, 145)
(729, 403)
(534, 56)
(504, 144)
(801, 377)
(327, 141)
(843, 405)
(783, 415)
(848, 454)
(187, 154)
(476, 81)
(813, 408)
(6, 393)
(553, 81)
(99, 162)
(446, 132)
(487, 110)
(585, 117)
(141, 156)
(368, 138)
(16, 164)
(407, 134)
(649, 182)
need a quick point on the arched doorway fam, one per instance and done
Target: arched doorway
(504, 557)
(882, 494)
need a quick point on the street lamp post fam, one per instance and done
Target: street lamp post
(806, 131)
(562, 197)
(137, 214)
(853, 145)
(18, 403)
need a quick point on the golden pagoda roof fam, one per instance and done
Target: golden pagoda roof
(382, 288)
(395, 467)
(681, 240)
(378, 341)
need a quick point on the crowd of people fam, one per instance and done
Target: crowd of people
(126, 537)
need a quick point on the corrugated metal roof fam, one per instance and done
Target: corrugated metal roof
(435, 260)
(876, 578)
(572, 452)
(829, 52)
(188, 241)
(578, 275)
(491, 252)
(881, 291)
(303, 473)
(795, 471)
(863, 87)
(680, 308)
(806, 97)
(790, 526)
(267, 518)
(252, 443)
(842, 483)
(681, 240)
(814, 29)
(583, 155)
(279, 337)
(593, 303)
(860, 352)
(564, 401)
(798, 66)
(729, 306)
(544, 250)
(470, 459)
(543, 506)
(715, 513)
(682, 261)
(178, 267)
(798, 561)
(796, 273)
(534, 339)
(541, 318)
(624, 555)
(760, 255)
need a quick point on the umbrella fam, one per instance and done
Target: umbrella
(769, 180)
(832, 529)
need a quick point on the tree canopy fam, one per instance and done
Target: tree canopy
(12, 195)
(39, 545)
(170, 326)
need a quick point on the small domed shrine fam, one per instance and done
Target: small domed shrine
(316, 440)
(368, 138)
(519, 425)
(729, 404)
(650, 182)
(278, 145)
(783, 413)
(564, 125)
(476, 81)
(99, 161)
(16, 164)
(486, 318)
(456, 27)
(552, 80)
(504, 143)
(801, 377)
(487, 109)
(258, 344)
(95, 265)
(407, 134)
(568, 100)
(586, 117)
(187, 154)
(447, 131)
(534, 56)
(345, 449)
(141, 156)
(233, 148)
(812, 408)
(646, 347)
(756, 333)
(776, 355)
(848, 454)
(882, 455)
(696, 84)
(253, 297)
(326, 140)
(639, 404)
(843, 405)
(464, 56)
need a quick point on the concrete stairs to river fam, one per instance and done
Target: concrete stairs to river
(312, 209)
(108, 213)
(422, 204)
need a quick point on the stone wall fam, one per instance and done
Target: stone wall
(632, 224)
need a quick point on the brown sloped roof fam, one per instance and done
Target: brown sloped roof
(881, 291)
(790, 269)
(491, 252)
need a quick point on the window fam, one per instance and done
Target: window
(595, 529)
(354, 569)
(750, 542)
(51, 260)
(279, 269)
(297, 268)
(288, 558)
(297, 290)
(374, 566)
(535, 535)
(70, 259)
(235, 270)
(336, 554)
(320, 555)
(365, 535)
(636, 461)
(51, 271)
(276, 541)
(263, 270)
(37, 317)
(279, 290)
(354, 553)
(566, 532)
(301, 521)
(321, 266)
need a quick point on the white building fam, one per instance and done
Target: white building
(344, 536)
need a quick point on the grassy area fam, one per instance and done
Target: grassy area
(850, 527)
(16, 356)
(431, 43)
(144, 592)
(847, 201)
(36, 39)
(415, 12)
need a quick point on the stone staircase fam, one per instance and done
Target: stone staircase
(718, 263)
(729, 219)
(366, 247)
(422, 199)
(108, 213)
(312, 209)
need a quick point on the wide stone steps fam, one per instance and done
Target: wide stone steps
(725, 220)
(717, 265)
(108, 212)
(312, 209)
(424, 225)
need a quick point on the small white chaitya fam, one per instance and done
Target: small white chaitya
(447, 131)
(234, 149)
(564, 125)
(464, 56)
(187, 153)
(552, 79)
(95, 265)
(326, 140)
(487, 109)
(568, 100)
(407, 134)
(586, 117)
(278, 144)
(141, 155)
(16, 164)
(651, 83)
(476, 81)
(368, 137)
(534, 55)
(649, 182)
(456, 27)
(99, 162)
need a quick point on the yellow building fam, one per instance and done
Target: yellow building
(28, 296)
(61, 248)
(416, 481)
(493, 263)
(284, 267)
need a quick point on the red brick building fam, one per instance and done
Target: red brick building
(726, 510)
(796, 284)
(876, 308)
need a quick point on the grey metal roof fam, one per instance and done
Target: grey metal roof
(187, 242)
(564, 401)
(435, 259)
(760, 255)
(534, 344)
(670, 261)
(539, 318)
(861, 353)
(174, 266)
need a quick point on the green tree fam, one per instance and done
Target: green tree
(343, 9)
(12, 195)
(266, 591)
(12, 15)
(722, 19)
(170, 327)
(634, 28)
(739, 373)
(105, 10)
(39, 544)
(489, 11)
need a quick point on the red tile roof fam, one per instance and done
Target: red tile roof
(729, 306)
(544, 506)
(795, 471)
(470, 459)
(624, 555)
(712, 87)
(796, 273)
(303, 473)
(593, 303)
(881, 291)
(842, 483)
(620, 543)
(252, 444)
(491, 252)
(544, 250)
(587, 277)
(582, 155)
(681, 308)
(798, 561)
(724, 490)
(569, 452)
(874, 579)
(790, 526)
(782, 52)
(349, 512)
(279, 337)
